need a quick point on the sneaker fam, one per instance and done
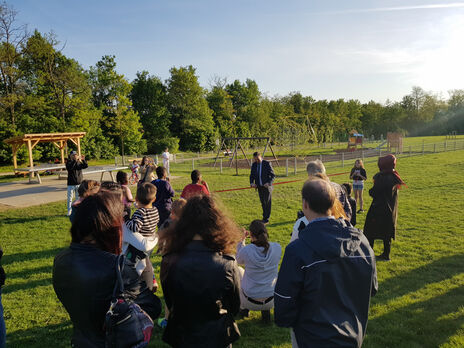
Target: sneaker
(162, 322)
(360, 211)
(265, 222)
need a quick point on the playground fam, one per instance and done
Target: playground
(421, 291)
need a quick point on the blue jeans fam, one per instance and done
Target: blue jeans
(72, 195)
(2, 325)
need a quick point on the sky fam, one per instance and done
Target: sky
(328, 49)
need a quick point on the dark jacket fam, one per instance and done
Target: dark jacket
(2, 271)
(201, 288)
(324, 286)
(353, 210)
(383, 212)
(164, 194)
(84, 278)
(267, 173)
(74, 169)
(342, 197)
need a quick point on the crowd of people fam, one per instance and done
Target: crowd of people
(209, 273)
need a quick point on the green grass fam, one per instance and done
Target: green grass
(420, 302)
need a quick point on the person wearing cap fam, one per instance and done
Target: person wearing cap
(74, 166)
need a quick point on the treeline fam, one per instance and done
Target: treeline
(43, 91)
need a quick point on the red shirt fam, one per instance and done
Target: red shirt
(193, 190)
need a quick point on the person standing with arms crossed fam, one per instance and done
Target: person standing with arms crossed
(74, 167)
(261, 177)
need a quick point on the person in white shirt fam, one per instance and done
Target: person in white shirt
(165, 157)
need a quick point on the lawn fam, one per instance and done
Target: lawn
(420, 302)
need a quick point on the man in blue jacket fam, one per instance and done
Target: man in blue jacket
(327, 277)
(261, 177)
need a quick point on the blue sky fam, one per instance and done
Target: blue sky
(327, 49)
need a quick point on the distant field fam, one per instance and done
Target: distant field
(420, 302)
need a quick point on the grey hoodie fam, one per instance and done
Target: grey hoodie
(260, 268)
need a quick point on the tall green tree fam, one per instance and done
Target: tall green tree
(191, 117)
(223, 111)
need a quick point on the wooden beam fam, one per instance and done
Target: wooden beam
(35, 143)
(73, 141)
(79, 147)
(31, 161)
(62, 144)
(244, 154)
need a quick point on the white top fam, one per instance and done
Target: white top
(298, 222)
(165, 156)
(145, 244)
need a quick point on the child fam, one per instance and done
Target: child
(86, 188)
(358, 174)
(347, 187)
(127, 199)
(144, 221)
(135, 167)
(176, 211)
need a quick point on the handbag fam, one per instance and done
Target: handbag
(126, 324)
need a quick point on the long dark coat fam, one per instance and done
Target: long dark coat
(383, 212)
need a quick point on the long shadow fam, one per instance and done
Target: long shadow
(422, 324)
(26, 286)
(18, 257)
(415, 279)
(56, 335)
(255, 333)
(21, 220)
(281, 223)
(31, 190)
(26, 273)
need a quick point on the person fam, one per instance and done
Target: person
(316, 169)
(326, 278)
(74, 166)
(200, 277)
(2, 319)
(84, 274)
(86, 188)
(261, 177)
(164, 194)
(146, 170)
(358, 175)
(135, 167)
(347, 187)
(165, 157)
(261, 260)
(144, 221)
(197, 187)
(127, 198)
(383, 213)
(176, 211)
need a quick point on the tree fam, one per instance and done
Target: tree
(110, 92)
(191, 118)
(149, 99)
(223, 111)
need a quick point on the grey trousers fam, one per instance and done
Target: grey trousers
(265, 196)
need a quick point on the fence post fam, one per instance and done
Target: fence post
(343, 159)
(220, 163)
(286, 167)
(294, 169)
(362, 155)
(320, 158)
(409, 150)
(434, 148)
(445, 145)
(380, 152)
(422, 147)
(193, 163)
(454, 145)
(175, 158)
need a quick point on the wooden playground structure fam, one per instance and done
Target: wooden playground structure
(354, 140)
(394, 142)
(236, 142)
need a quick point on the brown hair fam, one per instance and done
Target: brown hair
(178, 206)
(146, 193)
(319, 195)
(259, 232)
(337, 210)
(361, 164)
(201, 216)
(99, 219)
(87, 188)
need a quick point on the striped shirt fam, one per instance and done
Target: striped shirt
(144, 221)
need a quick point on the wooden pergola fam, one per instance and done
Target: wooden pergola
(31, 140)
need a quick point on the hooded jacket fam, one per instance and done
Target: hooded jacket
(324, 286)
(260, 268)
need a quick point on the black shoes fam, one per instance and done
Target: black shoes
(266, 317)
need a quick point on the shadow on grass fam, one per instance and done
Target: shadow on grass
(22, 220)
(18, 257)
(25, 286)
(57, 335)
(257, 334)
(281, 223)
(411, 325)
(26, 273)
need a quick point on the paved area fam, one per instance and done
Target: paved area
(20, 193)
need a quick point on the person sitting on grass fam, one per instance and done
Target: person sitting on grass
(261, 260)
(347, 187)
(144, 221)
(86, 188)
(197, 187)
(127, 199)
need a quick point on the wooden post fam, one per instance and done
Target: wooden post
(31, 161)
(78, 141)
(343, 159)
(445, 146)
(294, 169)
(286, 167)
(409, 150)
(193, 163)
(434, 148)
(455, 146)
(220, 163)
(362, 155)
(62, 151)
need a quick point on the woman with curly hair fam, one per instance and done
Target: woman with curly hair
(200, 277)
